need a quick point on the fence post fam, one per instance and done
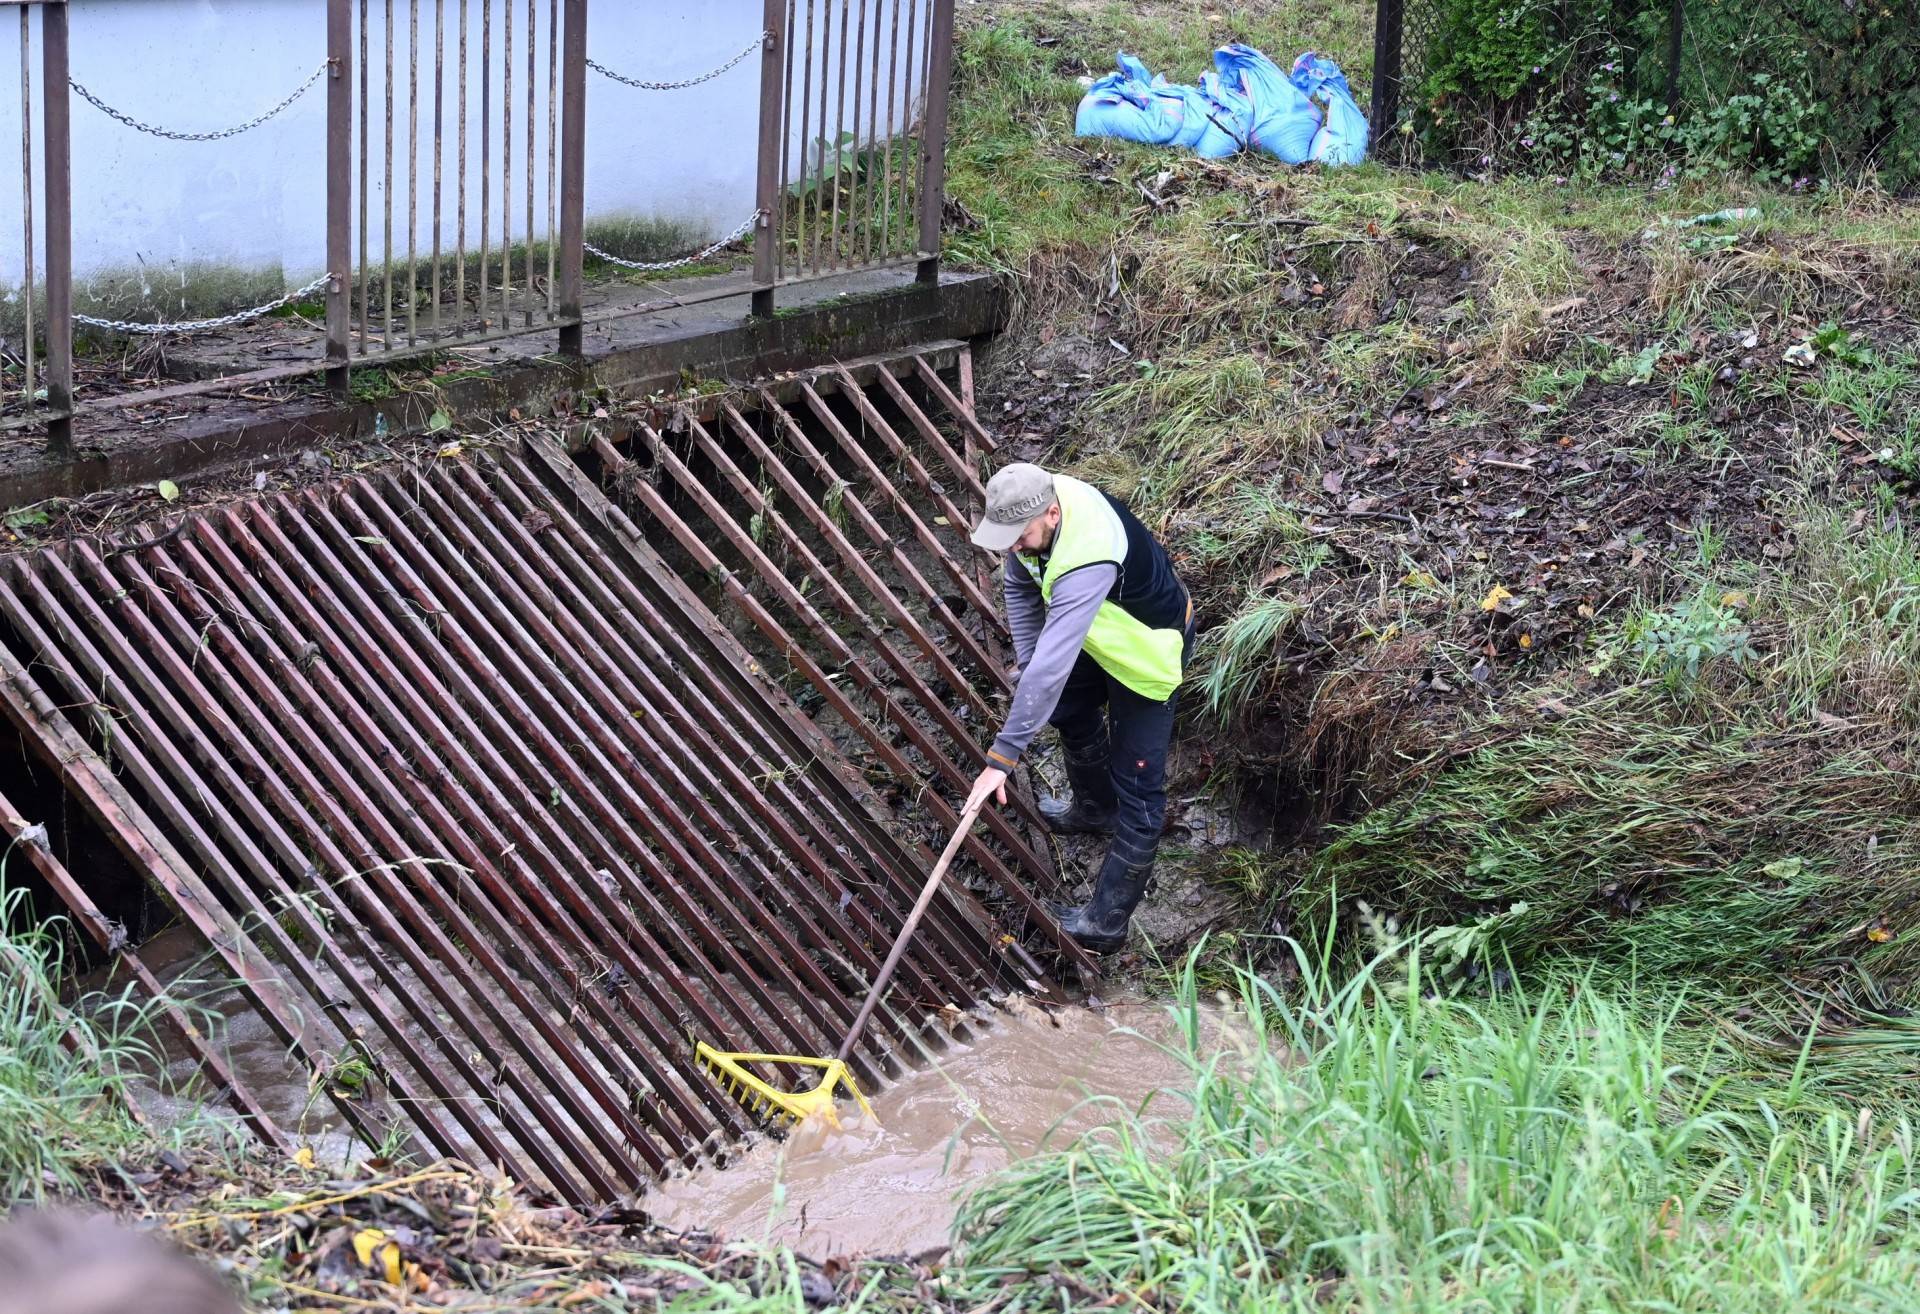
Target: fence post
(339, 194)
(1389, 19)
(573, 174)
(933, 140)
(767, 180)
(1676, 26)
(59, 191)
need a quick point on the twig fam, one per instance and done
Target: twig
(165, 536)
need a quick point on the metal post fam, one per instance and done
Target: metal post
(339, 193)
(933, 137)
(1388, 18)
(573, 172)
(1676, 29)
(59, 191)
(767, 185)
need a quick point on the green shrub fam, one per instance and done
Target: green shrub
(1777, 92)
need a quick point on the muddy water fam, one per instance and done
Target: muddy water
(889, 1187)
(175, 1094)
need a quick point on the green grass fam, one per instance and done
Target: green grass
(1360, 1145)
(61, 1109)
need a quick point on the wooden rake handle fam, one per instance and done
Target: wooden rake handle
(906, 931)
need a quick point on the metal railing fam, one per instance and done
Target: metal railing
(455, 175)
(46, 385)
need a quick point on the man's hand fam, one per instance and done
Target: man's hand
(990, 782)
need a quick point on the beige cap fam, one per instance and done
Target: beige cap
(1015, 496)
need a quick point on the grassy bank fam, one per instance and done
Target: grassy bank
(1552, 546)
(1365, 1146)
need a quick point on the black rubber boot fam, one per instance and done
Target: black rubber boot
(1090, 810)
(1101, 923)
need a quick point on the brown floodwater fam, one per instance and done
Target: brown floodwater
(1029, 1078)
(1033, 1079)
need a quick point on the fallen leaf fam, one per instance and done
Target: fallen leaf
(439, 420)
(452, 451)
(1333, 481)
(1879, 934)
(365, 1243)
(167, 489)
(1495, 596)
(304, 1156)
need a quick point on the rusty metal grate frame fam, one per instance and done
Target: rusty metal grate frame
(276, 700)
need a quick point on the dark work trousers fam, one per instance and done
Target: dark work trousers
(1101, 720)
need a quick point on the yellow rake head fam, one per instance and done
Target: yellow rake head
(776, 1105)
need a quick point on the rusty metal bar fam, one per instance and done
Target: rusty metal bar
(57, 144)
(376, 893)
(589, 770)
(339, 195)
(908, 127)
(769, 173)
(796, 437)
(705, 777)
(776, 218)
(855, 563)
(371, 830)
(840, 130)
(413, 170)
(886, 159)
(933, 137)
(533, 64)
(858, 821)
(110, 936)
(386, 203)
(775, 580)
(935, 707)
(439, 135)
(460, 184)
(642, 799)
(506, 162)
(486, 147)
(820, 190)
(44, 725)
(375, 916)
(706, 743)
(965, 467)
(375, 658)
(874, 140)
(573, 170)
(800, 264)
(947, 815)
(962, 414)
(27, 389)
(376, 831)
(553, 145)
(720, 663)
(865, 464)
(362, 272)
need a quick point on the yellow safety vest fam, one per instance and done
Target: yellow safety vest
(1145, 659)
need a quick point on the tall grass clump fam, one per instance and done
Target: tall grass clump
(1370, 1146)
(63, 1072)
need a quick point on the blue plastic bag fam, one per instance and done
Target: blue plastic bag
(1133, 105)
(1246, 101)
(1342, 137)
(1283, 118)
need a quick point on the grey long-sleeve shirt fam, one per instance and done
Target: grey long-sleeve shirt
(1047, 638)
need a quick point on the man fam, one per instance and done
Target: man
(1102, 628)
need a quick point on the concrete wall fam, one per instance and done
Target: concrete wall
(167, 215)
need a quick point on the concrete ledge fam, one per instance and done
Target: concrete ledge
(854, 315)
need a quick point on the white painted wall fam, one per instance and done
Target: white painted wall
(256, 201)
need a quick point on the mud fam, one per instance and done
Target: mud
(891, 1186)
